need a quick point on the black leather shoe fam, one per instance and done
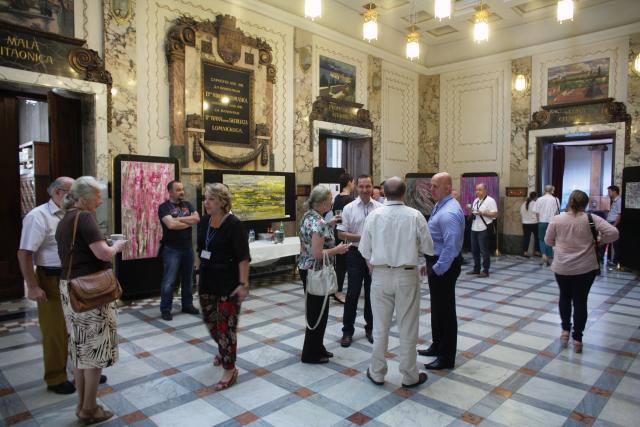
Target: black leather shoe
(372, 380)
(439, 364)
(422, 378)
(328, 354)
(166, 315)
(369, 335)
(103, 379)
(190, 310)
(316, 361)
(346, 340)
(63, 388)
(431, 351)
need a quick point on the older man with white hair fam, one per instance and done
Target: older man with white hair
(546, 208)
(393, 240)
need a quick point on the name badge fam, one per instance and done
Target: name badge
(205, 254)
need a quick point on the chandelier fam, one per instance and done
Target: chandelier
(481, 26)
(565, 10)
(413, 43)
(312, 9)
(370, 26)
(442, 9)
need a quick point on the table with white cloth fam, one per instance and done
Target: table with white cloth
(265, 252)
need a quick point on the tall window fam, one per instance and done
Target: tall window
(334, 153)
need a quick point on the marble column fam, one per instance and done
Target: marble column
(633, 102)
(374, 82)
(429, 118)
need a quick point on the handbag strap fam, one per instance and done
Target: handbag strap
(594, 232)
(73, 243)
(325, 261)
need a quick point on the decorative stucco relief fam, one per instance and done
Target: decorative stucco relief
(520, 117)
(375, 113)
(633, 102)
(429, 123)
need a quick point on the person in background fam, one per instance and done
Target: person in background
(446, 225)
(546, 207)
(614, 217)
(529, 225)
(383, 196)
(177, 216)
(38, 246)
(484, 211)
(93, 337)
(343, 199)
(575, 263)
(223, 250)
(377, 193)
(393, 241)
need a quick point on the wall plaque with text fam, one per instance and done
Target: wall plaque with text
(227, 104)
(33, 50)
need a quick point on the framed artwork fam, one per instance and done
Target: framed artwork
(141, 188)
(418, 192)
(50, 16)
(578, 82)
(337, 79)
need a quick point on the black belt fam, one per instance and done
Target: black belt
(407, 267)
(51, 271)
(435, 258)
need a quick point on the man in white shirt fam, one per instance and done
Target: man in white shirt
(484, 210)
(393, 240)
(546, 208)
(614, 217)
(38, 246)
(350, 230)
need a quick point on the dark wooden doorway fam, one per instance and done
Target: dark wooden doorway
(353, 154)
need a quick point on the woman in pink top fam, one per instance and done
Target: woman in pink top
(575, 263)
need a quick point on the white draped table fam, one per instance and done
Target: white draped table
(263, 251)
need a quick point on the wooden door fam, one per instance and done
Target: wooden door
(359, 157)
(11, 285)
(65, 134)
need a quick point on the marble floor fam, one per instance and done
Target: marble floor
(510, 369)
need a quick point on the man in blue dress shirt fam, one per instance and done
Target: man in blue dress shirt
(446, 226)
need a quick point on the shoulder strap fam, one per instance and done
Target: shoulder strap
(594, 232)
(558, 209)
(73, 242)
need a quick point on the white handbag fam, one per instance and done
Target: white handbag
(321, 282)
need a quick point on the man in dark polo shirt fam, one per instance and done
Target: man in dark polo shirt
(177, 216)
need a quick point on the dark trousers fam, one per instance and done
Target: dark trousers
(358, 276)
(444, 321)
(527, 231)
(480, 246)
(341, 270)
(178, 262)
(574, 291)
(313, 348)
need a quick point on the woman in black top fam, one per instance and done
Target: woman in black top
(223, 250)
(343, 199)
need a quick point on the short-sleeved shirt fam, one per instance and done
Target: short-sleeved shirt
(228, 245)
(84, 261)
(175, 238)
(547, 207)
(487, 204)
(39, 234)
(354, 214)
(313, 223)
(616, 209)
(340, 202)
(528, 216)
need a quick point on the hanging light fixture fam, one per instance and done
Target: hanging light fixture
(312, 9)
(442, 9)
(636, 64)
(413, 43)
(370, 26)
(520, 83)
(565, 10)
(481, 25)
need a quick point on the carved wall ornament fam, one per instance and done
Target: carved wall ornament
(233, 161)
(332, 110)
(183, 33)
(121, 10)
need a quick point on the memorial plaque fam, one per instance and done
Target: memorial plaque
(227, 104)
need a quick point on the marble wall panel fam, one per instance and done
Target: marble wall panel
(429, 123)
(633, 102)
(375, 113)
(520, 117)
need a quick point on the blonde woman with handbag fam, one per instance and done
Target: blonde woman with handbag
(93, 339)
(317, 246)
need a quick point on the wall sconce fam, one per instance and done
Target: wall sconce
(520, 83)
(376, 81)
(636, 65)
(305, 57)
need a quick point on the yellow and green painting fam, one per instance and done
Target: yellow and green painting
(256, 197)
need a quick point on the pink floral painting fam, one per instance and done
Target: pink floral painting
(144, 188)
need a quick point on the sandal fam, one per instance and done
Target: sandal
(341, 301)
(221, 385)
(564, 338)
(99, 415)
(217, 361)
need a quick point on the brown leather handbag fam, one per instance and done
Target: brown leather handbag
(92, 290)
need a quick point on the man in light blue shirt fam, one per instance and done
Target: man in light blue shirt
(446, 226)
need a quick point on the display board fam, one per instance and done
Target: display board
(140, 186)
(418, 192)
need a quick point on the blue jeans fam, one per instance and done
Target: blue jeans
(544, 248)
(480, 246)
(176, 261)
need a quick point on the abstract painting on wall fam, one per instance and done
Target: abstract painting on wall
(337, 79)
(257, 197)
(418, 193)
(579, 82)
(50, 16)
(143, 187)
